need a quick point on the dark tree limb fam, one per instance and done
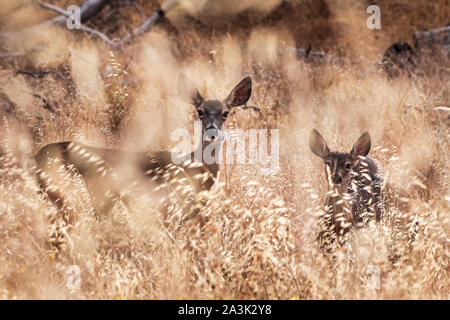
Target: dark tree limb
(87, 10)
(99, 34)
(148, 24)
(41, 74)
(307, 51)
(10, 107)
(124, 69)
(252, 108)
(90, 8)
(52, 7)
(47, 104)
(143, 28)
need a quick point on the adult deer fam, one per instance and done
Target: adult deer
(101, 168)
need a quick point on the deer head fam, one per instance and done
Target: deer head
(338, 165)
(213, 113)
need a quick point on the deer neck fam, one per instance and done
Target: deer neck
(338, 205)
(209, 152)
(335, 199)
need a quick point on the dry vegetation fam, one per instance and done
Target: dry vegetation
(257, 233)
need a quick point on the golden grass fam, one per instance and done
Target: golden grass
(255, 237)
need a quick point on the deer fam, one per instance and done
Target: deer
(354, 189)
(357, 194)
(99, 167)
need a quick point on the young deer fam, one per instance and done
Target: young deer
(354, 189)
(100, 168)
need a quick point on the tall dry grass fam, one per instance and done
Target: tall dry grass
(255, 237)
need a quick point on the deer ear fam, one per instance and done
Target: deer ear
(317, 144)
(361, 146)
(188, 92)
(240, 94)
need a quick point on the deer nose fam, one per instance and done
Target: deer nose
(211, 133)
(337, 179)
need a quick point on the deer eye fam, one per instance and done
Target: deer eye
(200, 113)
(225, 114)
(348, 166)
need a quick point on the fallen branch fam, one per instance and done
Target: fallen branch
(41, 74)
(145, 26)
(90, 8)
(430, 38)
(251, 107)
(47, 104)
(10, 107)
(99, 34)
(52, 7)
